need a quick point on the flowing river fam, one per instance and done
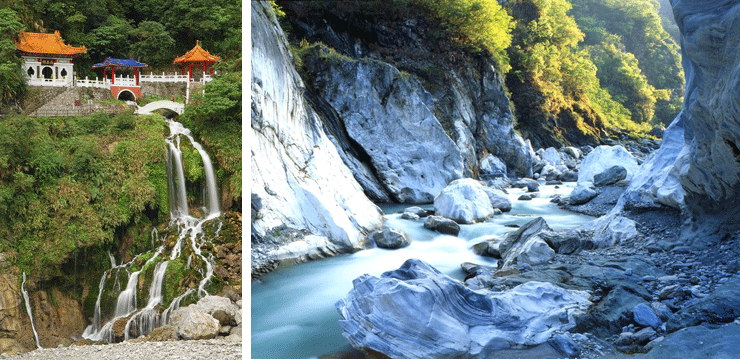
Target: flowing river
(293, 313)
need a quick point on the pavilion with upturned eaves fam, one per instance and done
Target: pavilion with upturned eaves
(47, 60)
(197, 56)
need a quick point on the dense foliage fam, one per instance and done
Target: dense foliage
(639, 62)
(151, 31)
(73, 183)
(12, 83)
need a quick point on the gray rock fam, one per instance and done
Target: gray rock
(671, 291)
(552, 156)
(645, 316)
(525, 197)
(389, 238)
(720, 306)
(382, 313)
(526, 246)
(464, 201)
(416, 211)
(699, 342)
(604, 157)
(572, 151)
(643, 336)
(613, 312)
(610, 176)
(409, 216)
(492, 166)
(582, 194)
(488, 248)
(442, 225)
(625, 338)
(390, 117)
(499, 199)
(333, 204)
(223, 309)
(662, 310)
(569, 175)
(193, 323)
(565, 346)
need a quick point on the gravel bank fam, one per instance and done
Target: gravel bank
(226, 348)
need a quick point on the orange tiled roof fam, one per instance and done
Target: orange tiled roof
(197, 54)
(40, 43)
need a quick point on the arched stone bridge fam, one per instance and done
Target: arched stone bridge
(163, 104)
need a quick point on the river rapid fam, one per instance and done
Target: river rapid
(293, 313)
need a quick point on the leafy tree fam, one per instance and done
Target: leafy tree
(12, 81)
(111, 39)
(639, 30)
(482, 24)
(154, 45)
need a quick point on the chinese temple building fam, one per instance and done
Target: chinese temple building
(122, 87)
(197, 57)
(47, 60)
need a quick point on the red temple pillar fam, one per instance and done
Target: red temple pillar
(190, 71)
(136, 75)
(112, 75)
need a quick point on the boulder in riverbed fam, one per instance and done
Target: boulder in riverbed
(389, 238)
(604, 157)
(610, 176)
(194, 323)
(464, 201)
(418, 312)
(442, 225)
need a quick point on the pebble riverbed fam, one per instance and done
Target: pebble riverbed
(224, 348)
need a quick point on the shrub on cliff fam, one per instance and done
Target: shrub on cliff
(73, 183)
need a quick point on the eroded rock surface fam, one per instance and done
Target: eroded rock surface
(417, 312)
(298, 175)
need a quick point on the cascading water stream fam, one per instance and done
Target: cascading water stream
(148, 318)
(28, 309)
(189, 229)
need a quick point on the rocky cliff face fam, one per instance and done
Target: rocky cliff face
(298, 177)
(698, 165)
(389, 115)
(461, 90)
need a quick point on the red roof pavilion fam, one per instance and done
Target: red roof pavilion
(195, 56)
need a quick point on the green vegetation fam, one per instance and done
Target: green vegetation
(638, 61)
(151, 31)
(12, 83)
(70, 183)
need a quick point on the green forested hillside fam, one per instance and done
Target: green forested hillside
(91, 184)
(151, 31)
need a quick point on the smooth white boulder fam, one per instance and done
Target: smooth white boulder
(552, 156)
(604, 157)
(464, 201)
(418, 312)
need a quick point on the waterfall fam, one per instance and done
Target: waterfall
(211, 199)
(147, 319)
(28, 310)
(190, 234)
(176, 182)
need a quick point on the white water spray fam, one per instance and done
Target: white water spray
(28, 309)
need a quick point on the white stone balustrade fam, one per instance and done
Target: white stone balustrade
(163, 78)
(48, 82)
